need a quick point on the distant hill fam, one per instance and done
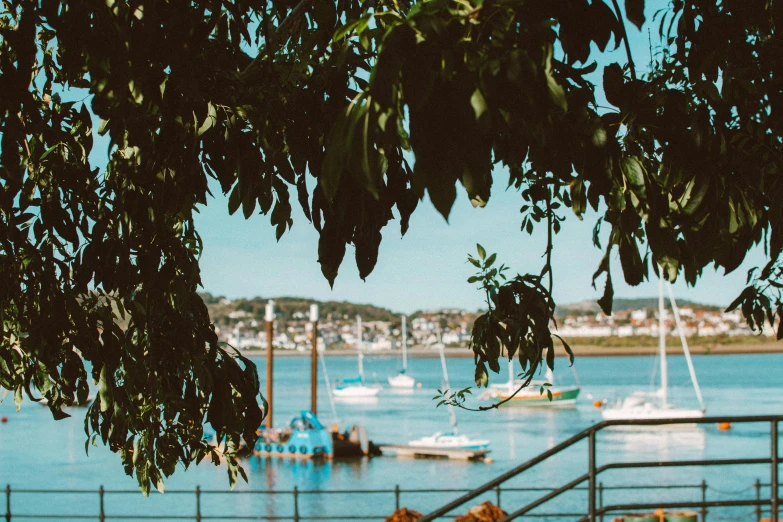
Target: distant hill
(638, 303)
(286, 307)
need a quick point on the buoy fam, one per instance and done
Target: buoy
(598, 404)
(724, 426)
(489, 460)
(4, 419)
(418, 385)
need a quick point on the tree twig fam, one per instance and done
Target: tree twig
(510, 397)
(550, 224)
(625, 38)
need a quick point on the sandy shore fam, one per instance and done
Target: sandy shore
(579, 351)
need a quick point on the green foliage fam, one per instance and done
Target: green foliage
(99, 263)
(520, 313)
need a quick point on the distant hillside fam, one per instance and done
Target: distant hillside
(286, 307)
(638, 303)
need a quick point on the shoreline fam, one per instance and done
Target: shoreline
(579, 351)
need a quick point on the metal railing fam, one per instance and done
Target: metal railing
(593, 512)
(394, 496)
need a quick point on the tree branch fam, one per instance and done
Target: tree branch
(524, 385)
(550, 224)
(281, 31)
(625, 38)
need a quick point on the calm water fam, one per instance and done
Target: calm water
(38, 453)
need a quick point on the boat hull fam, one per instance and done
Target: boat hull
(650, 414)
(434, 445)
(449, 441)
(305, 438)
(402, 381)
(560, 397)
(356, 391)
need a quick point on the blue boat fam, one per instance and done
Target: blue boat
(303, 438)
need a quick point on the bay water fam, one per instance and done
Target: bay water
(37, 453)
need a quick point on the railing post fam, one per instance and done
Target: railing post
(8, 503)
(101, 514)
(758, 499)
(198, 503)
(773, 501)
(703, 500)
(601, 498)
(591, 477)
(296, 504)
(497, 490)
(396, 497)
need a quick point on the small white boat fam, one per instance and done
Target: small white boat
(637, 407)
(355, 388)
(532, 395)
(652, 406)
(347, 389)
(450, 440)
(402, 379)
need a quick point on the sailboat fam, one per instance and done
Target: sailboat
(450, 439)
(531, 395)
(641, 405)
(402, 379)
(355, 388)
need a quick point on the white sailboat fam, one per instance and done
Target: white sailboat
(531, 395)
(355, 388)
(402, 379)
(650, 406)
(450, 439)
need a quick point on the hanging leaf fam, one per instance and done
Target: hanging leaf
(634, 11)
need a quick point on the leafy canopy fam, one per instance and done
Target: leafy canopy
(379, 102)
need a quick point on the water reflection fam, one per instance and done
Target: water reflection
(400, 391)
(656, 443)
(356, 400)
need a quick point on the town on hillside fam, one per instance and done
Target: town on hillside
(240, 323)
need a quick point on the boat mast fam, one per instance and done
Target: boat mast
(359, 347)
(404, 345)
(662, 341)
(685, 347)
(328, 386)
(510, 376)
(452, 415)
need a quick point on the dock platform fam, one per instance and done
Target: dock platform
(399, 450)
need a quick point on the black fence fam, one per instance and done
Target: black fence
(591, 510)
(204, 504)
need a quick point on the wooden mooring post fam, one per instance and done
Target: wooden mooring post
(703, 500)
(101, 513)
(270, 322)
(198, 503)
(314, 361)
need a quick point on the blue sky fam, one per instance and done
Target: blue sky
(427, 268)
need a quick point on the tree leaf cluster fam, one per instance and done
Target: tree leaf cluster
(361, 109)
